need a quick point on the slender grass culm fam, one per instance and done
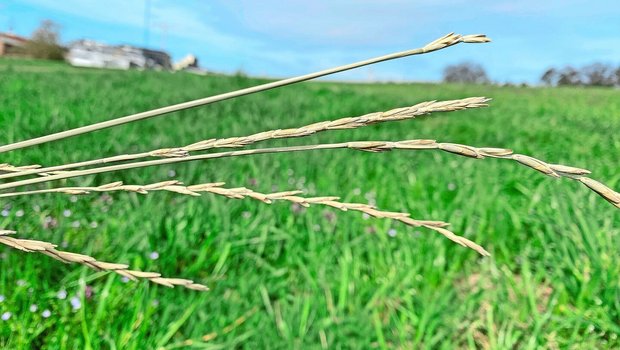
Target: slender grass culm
(40, 174)
(404, 113)
(553, 170)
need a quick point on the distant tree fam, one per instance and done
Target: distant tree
(598, 74)
(44, 42)
(617, 76)
(569, 76)
(550, 77)
(465, 72)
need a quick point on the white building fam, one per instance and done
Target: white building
(88, 53)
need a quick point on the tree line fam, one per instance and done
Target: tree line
(595, 74)
(43, 44)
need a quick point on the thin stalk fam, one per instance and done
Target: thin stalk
(441, 43)
(553, 170)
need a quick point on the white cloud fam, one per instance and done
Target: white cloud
(288, 37)
(178, 20)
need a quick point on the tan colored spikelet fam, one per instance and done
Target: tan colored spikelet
(49, 249)
(604, 191)
(475, 39)
(535, 164)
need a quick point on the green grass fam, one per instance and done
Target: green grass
(308, 279)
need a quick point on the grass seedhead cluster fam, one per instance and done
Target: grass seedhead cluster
(49, 249)
(165, 156)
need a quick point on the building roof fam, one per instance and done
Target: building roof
(12, 38)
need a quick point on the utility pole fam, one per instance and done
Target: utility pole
(147, 22)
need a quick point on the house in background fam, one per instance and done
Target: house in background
(89, 53)
(11, 43)
(156, 59)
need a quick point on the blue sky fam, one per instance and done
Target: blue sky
(284, 38)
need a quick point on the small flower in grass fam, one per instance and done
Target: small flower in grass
(300, 183)
(451, 186)
(88, 292)
(371, 230)
(365, 216)
(311, 189)
(64, 244)
(33, 308)
(73, 199)
(392, 232)
(46, 313)
(246, 214)
(94, 224)
(66, 213)
(49, 222)
(172, 173)
(154, 255)
(76, 304)
(252, 181)
(75, 224)
(21, 283)
(2, 298)
(5, 213)
(124, 279)
(19, 213)
(62, 294)
(297, 208)
(329, 216)
(36, 208)
(106, 198)
(6, 316)
(155, 302)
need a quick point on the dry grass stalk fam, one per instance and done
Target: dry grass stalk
(441, 43)
(290, 196)
(50, 250)
(398, 114)
(554, 170)
(17, 169)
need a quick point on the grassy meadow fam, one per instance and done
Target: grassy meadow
(285, 277)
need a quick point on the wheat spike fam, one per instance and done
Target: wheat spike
(554, 170)
(290, 196)
(50, 250)
(397, 114)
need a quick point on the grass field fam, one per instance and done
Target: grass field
(281, 277)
